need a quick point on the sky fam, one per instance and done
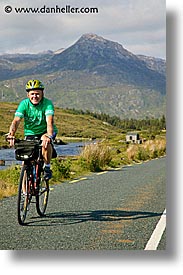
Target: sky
(139, 25)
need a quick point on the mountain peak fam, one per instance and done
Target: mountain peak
(92, 36)
(93, 42)
(107, 59)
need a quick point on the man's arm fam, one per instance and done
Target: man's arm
(46, 137)
(50, 120)
(13, 128)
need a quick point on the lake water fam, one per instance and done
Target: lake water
(70, 149)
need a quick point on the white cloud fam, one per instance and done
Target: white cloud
(137, 24)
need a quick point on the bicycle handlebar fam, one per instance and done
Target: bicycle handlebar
(25, 142)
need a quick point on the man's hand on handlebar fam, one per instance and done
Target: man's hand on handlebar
(10, 139)
(45, 140)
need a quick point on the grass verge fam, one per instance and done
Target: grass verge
(93, 158)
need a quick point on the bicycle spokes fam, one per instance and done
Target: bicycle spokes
(42, 197)
(24, 196)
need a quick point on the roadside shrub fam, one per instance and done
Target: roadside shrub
(132, 151)
(149, 150)
(11, 174)
(60, 168)
(142, 154)
(9, 179)
(95, 157)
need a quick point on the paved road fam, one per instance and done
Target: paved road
(117, 210)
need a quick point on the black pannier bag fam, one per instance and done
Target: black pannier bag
(26, 150)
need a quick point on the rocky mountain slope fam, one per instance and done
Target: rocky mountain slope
(93, 73)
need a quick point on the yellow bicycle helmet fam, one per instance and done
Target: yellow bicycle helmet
(34, 84)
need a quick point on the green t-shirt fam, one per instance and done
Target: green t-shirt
(35, 116)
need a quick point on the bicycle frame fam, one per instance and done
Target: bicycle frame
(32, 183)
(33, 172)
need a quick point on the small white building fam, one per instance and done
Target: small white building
(133, 138)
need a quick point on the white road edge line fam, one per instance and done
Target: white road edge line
(155, 238)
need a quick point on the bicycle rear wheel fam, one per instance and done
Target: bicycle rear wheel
(42, 196)
(24, 196)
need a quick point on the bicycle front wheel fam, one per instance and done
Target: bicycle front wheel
(23, 196)
(42, 196)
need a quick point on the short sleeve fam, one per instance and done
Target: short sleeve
(49, 111)
(20, 110)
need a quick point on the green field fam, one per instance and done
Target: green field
(68, 124)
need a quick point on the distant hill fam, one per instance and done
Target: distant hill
(93, 74)
(69, 125)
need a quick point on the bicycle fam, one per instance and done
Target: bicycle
(32, 182)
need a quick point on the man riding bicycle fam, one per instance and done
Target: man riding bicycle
(38, 114)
